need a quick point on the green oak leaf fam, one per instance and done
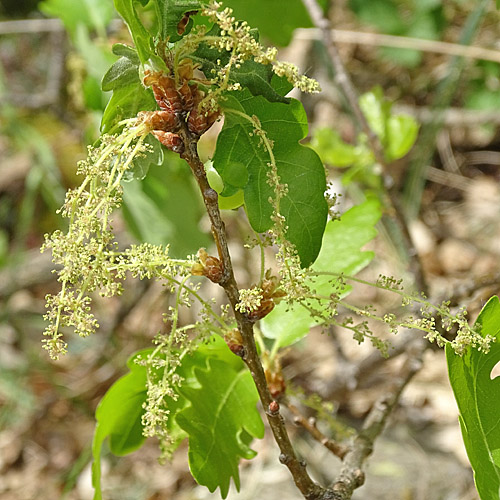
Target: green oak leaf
(221, 421)
(299, 167)
(340, 253)
(256, 77)
(118, 417)
(478, 401)
(143, 39)
(170, 12)
(120, 411)
(129, 95)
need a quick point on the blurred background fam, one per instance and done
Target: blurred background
(53, 55)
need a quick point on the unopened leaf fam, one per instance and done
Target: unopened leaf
(478, 401)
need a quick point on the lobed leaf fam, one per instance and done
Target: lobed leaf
(340, 253)
(221, 421)
(478, 400)
(242, 162)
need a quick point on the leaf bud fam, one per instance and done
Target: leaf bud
(208, 266)
(235, 342)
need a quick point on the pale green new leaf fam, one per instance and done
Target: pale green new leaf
(402, 133)
(478, 400)
(221, 420)
(129, 95)
(397, 133)
(340, 253)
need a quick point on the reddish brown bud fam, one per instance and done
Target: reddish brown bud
(275, 380)
(235, 342)
(274, 407)
(213, 269)
(197, 122)
(160, 120)
(186, 91)
(170, 140)
(174, 100)
(210, 267)
(266, 306)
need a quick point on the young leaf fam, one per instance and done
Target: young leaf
(332, 149)
(143, 40)
(340, 253)
(299, 167)
(402, 133)
(478, 400)
(118, 417)
(221, 421)
(129, 95)
(170, 12)
(397, 133)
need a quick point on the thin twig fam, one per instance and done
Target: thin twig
(351, 475)
(403, 42)
(304, 483)
(309, 424)
(450, 117)
(342, 78)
